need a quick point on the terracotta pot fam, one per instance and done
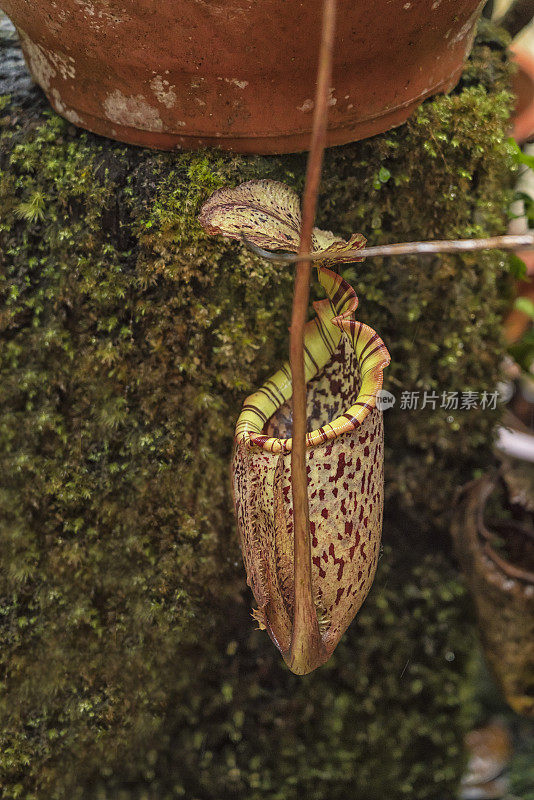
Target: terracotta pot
(502, 588)
(523, 87)
(237, 74)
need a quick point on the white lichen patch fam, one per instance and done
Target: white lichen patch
(61, 13)
(133, 111)
(462, 33)
(55, 21)
(307, 105)
(331, 99)
(98, 16)
(69, 113)
(63, 64)
(41, 68)
(163, 91)
(47, 64)
(89, 8)
(236, 82)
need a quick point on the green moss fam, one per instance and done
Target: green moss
(251, 729)
(129, 339)
(440, 317)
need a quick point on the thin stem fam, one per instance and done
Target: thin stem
(507, 242)
(307, 650)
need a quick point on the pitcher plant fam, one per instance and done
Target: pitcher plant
(344, 362)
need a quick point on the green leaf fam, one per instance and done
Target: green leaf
(517, 267)
(520, 157)
(268, 214)
(384, 175)
(526, 305)
(528, 203)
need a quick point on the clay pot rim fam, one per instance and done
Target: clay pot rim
(485, 536)
(372, 357)
(137, 82)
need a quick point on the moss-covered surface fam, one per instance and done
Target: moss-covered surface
(129, 339)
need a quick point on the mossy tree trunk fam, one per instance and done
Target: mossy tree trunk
(129, 339)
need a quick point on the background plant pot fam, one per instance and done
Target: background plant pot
(239, 75)
(523, 87)
(502, 585)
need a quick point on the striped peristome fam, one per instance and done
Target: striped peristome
(323, 334)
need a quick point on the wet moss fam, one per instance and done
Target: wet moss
(129, 339)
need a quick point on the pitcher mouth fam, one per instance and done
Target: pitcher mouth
(334, 320)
